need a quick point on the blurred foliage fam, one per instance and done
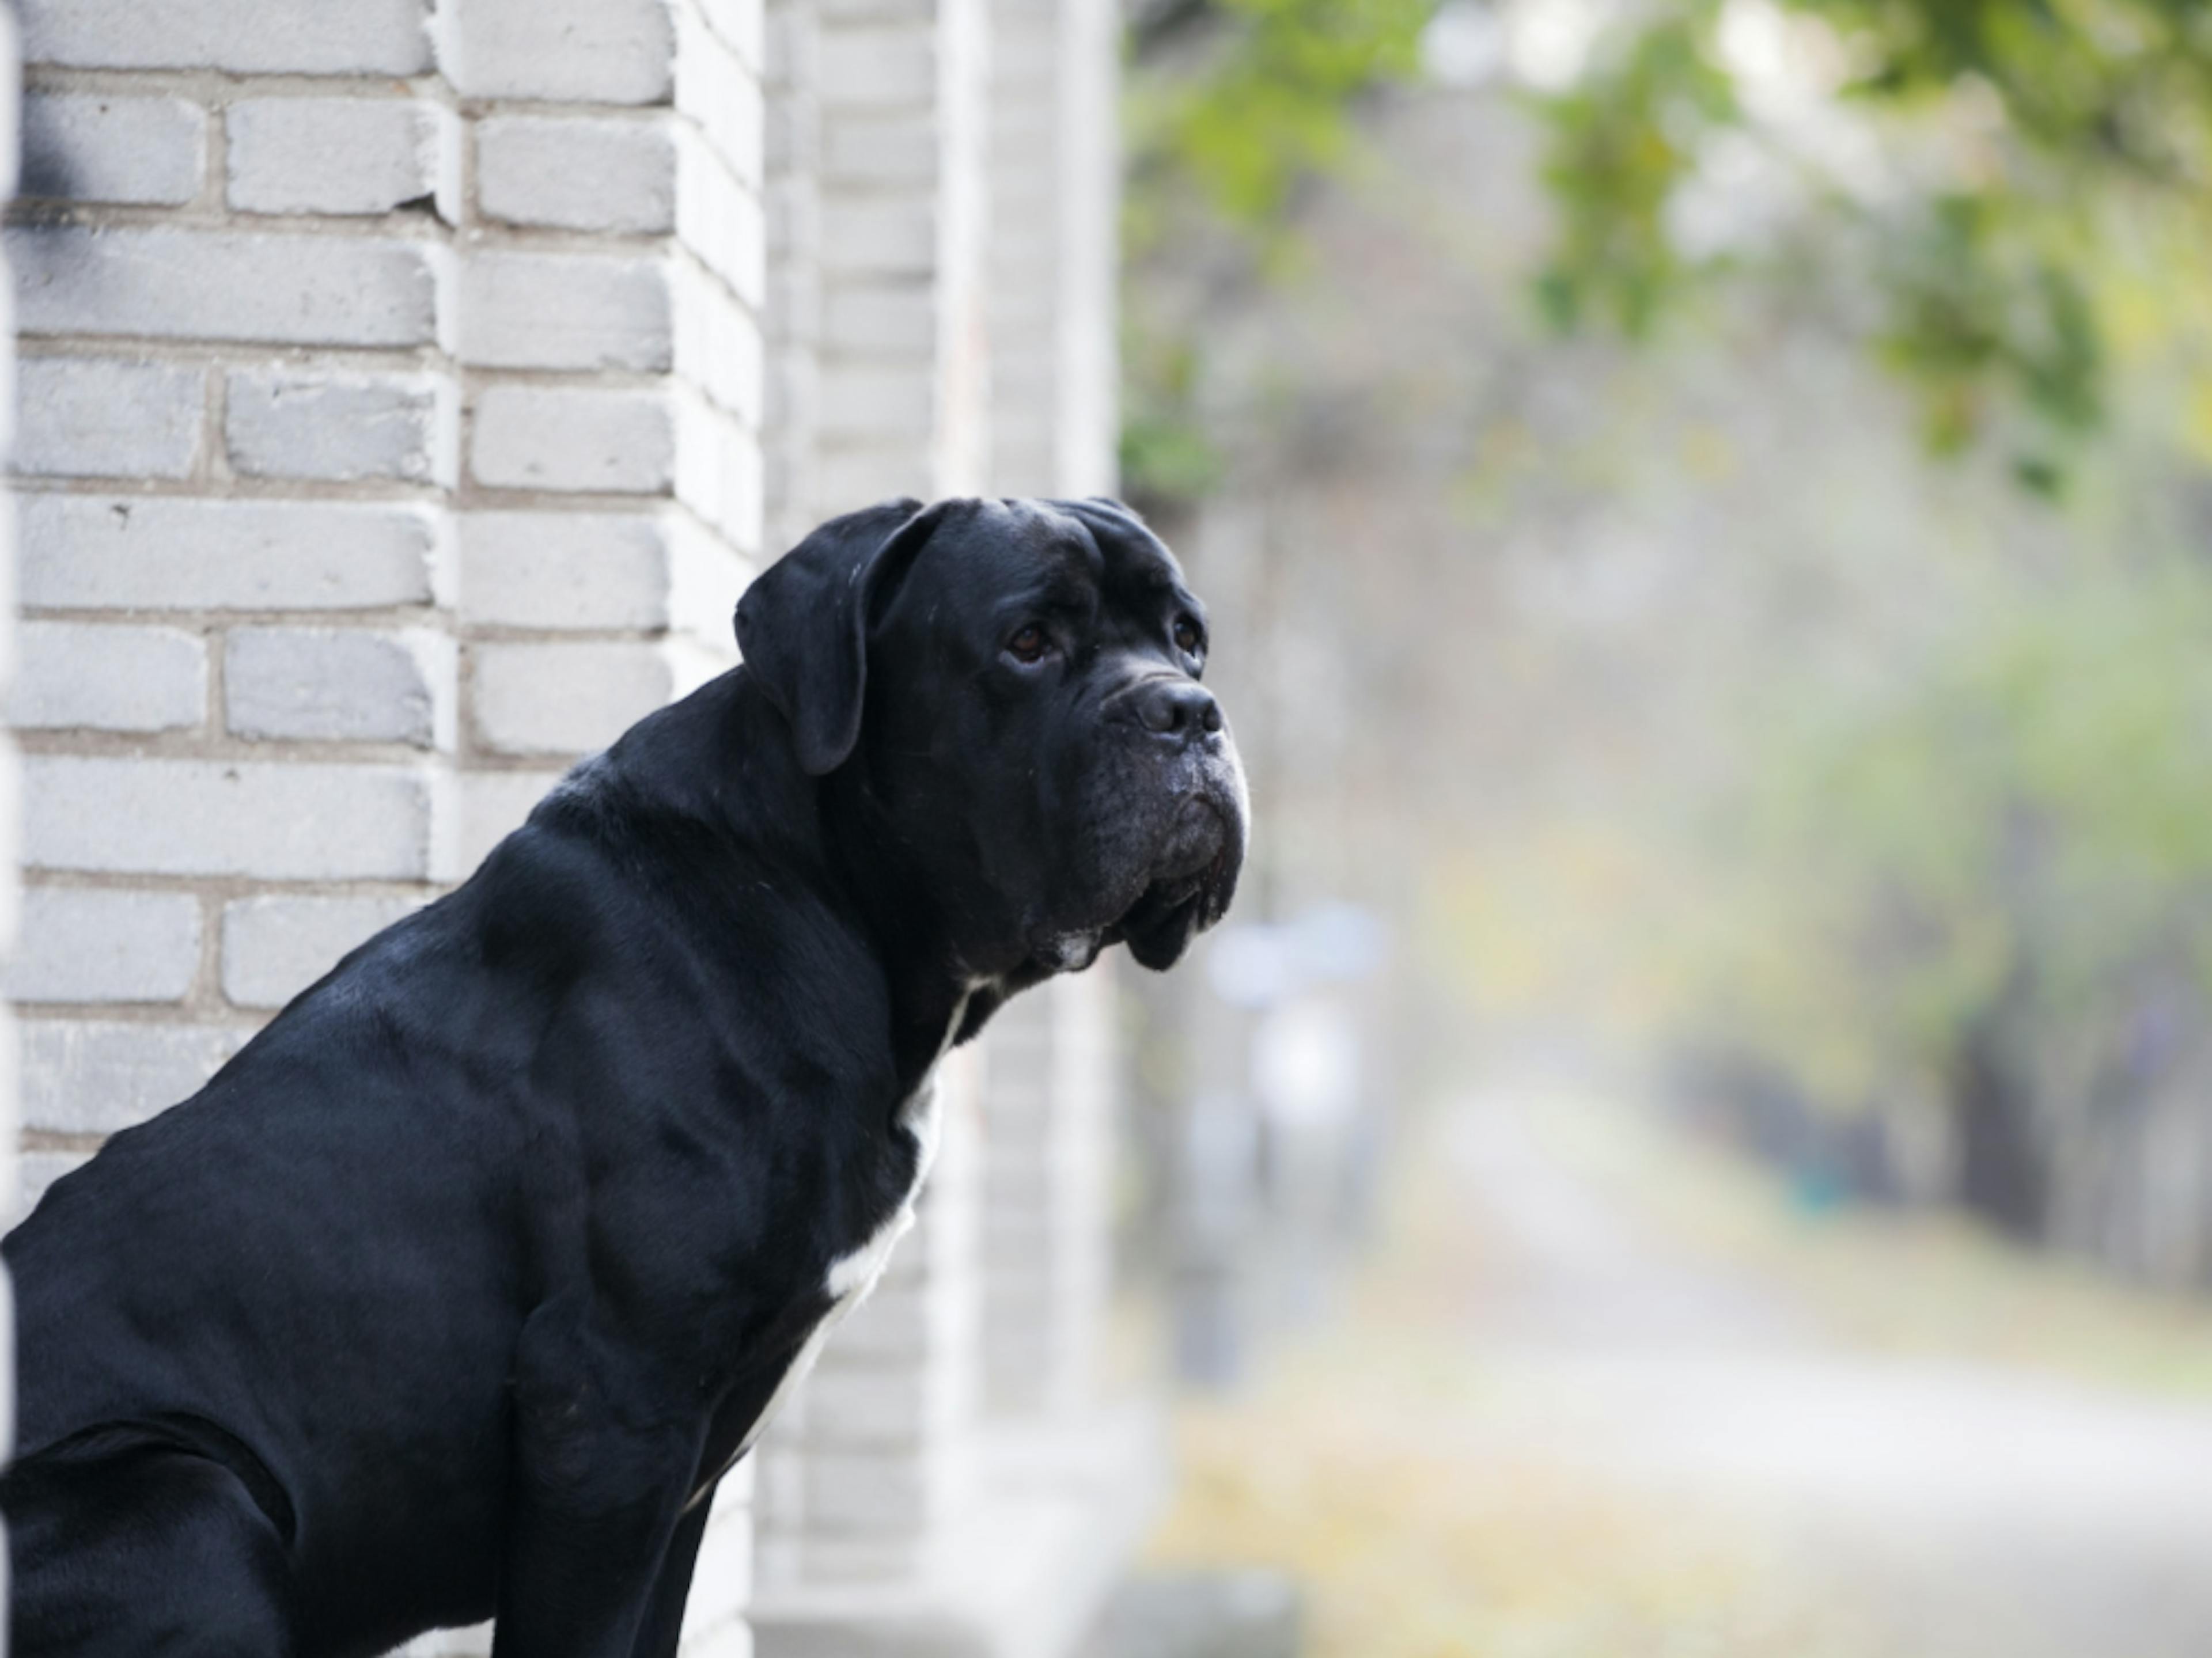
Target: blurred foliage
(1261, 99)
(2024, 816)
(1236, 107)
(1621, 148)
(1981, 846)
(2027, 140)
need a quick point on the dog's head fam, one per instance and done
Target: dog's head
(1009, 689)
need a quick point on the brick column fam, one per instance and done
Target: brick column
(237, 689)
(611, 283)
(394, 387)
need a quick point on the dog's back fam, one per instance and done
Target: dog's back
(247, 1317)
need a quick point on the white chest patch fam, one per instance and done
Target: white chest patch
(851, 1277)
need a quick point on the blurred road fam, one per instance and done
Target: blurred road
(1956, 1511)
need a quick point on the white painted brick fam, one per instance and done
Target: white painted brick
(615, 52)
(102, 417)
(171, 283)
(565, 311)
(719, 470)
(99, 552)
(881, 322)
(718, 345)
(732, 1638)
(95, 1076)
(579, 172)
(111, 147)
(362, 37)
(276, 944)
(716, 90)
(594, 570)
(854, 1407)
(896, 1323)
(564, 698)
(888, 235)
(878, 402)
(292, 422)
(39, 1170)
(881, 149)
(340, 684)
(88, 944)
(472, 1642)
(283, 822)
(743, 25)
(868, 1492)
(887, 65)
(343, 155)
(573, 439)
(840, 11)
(106, 677)
(834, 1561)
(565, 570)
(857, 473)
(493, 805)
(721, 220)
(722, 1581)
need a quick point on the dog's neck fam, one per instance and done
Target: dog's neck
(938, 997)
(730, 764)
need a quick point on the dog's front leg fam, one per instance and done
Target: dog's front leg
(601, 1470)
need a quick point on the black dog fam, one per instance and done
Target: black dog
(456, 1291)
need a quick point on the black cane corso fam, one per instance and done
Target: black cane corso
(454, 1294)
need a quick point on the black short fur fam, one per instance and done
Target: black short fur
(449, 1293)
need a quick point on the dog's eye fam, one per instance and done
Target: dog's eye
(1028, 645)
(1188, 640)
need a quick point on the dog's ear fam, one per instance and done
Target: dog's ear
(803, 625)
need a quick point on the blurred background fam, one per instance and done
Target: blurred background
(1698, 1137)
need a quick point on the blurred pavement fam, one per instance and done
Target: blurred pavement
(1958, 1510)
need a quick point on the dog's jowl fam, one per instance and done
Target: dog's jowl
(455, 1291)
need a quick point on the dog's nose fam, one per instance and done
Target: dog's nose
(1181, 710)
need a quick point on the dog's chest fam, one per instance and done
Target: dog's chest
(853, 1274)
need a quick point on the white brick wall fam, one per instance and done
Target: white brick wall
(89, 552)
(575, 310)
(92, 147)
(395, 403)
(612, 173)
(110, 417)
(342, 155)
(277, 945)
(287, 421)
(307, 349)
(96, 944)
(340, 684)
(107, 677)
(365, 37)
(284, 289)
